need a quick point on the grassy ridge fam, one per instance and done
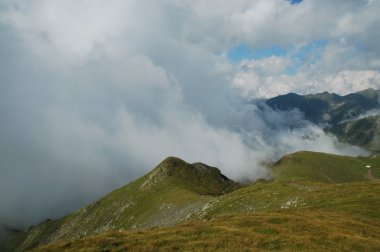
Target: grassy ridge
(360, 198)
(324, 167)
(167, 195)
(214, 208)
(288, 216)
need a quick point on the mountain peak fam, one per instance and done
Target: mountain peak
(170, 164)
(201, 178)
(370, 93)
(167, 168)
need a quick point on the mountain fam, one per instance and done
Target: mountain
(169, 194)
(364, 132)
(326, 108)
(347, 117)
(181, 206)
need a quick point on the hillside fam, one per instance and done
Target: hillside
(364, 132)
(210, 208)
(266, 231)
(326, 108)
(279, 215)
(325, 167)
(167, 195)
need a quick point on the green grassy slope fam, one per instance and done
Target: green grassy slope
(292, 215)
(207, 211)
(284, 231)
(325, 167)
(165, 196)
(359, 198)
(364, 132)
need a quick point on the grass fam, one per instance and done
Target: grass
(321, 217)
(203, 210)
(359, 198)
(325, 167)
(165, 196)
(301, 230)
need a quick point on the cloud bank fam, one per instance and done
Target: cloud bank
(95, 93)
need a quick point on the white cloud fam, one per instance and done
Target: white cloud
(345, 82)
(66, 31)
(252, 84)
(269, 66)
(264, 22)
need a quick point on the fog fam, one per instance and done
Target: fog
(94, 94)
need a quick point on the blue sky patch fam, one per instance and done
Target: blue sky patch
(243, 51)
(295, 1)
(300, 56)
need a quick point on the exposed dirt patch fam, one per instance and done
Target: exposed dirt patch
(371, 177)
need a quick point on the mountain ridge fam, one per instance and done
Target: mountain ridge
(305, 208)
(167, 195)
(174, 194)
(330, 108)
(364, 132)
(325, 167)
(346, 117)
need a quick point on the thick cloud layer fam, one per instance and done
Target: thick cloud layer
(95, 93)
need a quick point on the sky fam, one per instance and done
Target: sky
(94, 94)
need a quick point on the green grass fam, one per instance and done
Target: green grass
(360, 198)
(215, 213)
(331, 217)
(324, 167)
(165, 196)
(265, 231)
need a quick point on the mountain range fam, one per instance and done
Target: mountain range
(310, 202)
(353, 118)
(328, 108)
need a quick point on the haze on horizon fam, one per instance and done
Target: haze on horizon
(96, 93)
